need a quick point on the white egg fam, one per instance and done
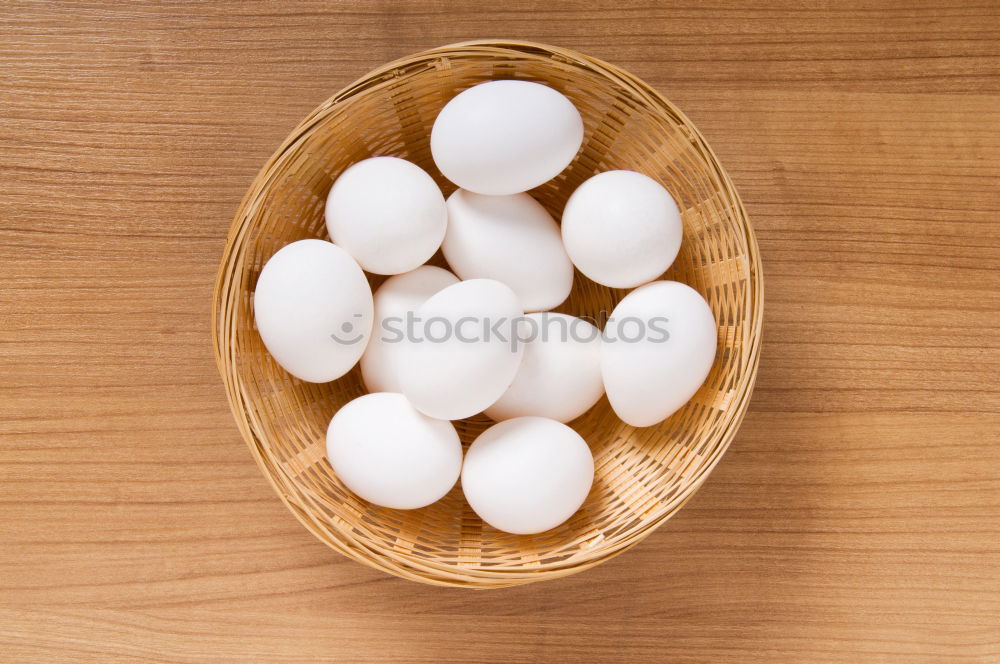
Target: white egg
(659, 346)
(560, 373)
(387, 213)
(527, 475)
(394, 300)
(511, 239)
(390, 454)
(462, 354)
(505, 137)
(313, 309)
(621, 229)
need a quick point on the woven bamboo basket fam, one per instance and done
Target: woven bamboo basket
(643, 476)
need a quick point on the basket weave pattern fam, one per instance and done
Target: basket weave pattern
(643, 476)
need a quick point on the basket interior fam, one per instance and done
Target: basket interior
(642, 475)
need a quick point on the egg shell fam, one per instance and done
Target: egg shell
(527, 475)
(512, 239)
(461, 356)
(387, 452)
(505, 137)
(621, 229)
(313, 309)
(658, 348)
(388, 213)
(560, 373)
(394, 299)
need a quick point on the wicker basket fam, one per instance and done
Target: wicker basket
(643, 476)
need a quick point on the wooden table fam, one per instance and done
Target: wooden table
(856, 518)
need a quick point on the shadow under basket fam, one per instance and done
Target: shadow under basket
(643, 476)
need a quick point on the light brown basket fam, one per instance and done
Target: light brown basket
(643, 476)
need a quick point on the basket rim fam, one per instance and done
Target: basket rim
(426, 570)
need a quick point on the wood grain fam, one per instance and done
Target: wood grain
(856, 517)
